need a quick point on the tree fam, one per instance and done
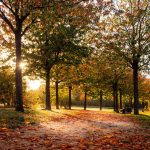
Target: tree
(57, 81)
(83, 78)
(107, 72)
(98, 68)
(130, 38)
(17, 16)
(54, 44)
(7, 82)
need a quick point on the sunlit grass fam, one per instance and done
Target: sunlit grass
(93, 108)
(9, 118)
(146, 112)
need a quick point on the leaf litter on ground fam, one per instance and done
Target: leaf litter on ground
(75, 130)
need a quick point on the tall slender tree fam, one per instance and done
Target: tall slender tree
(19, 16)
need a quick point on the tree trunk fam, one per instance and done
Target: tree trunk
(69, 102)
(115, 88)
(101, 100)
(130, 102)
(18, 72)
(120, 98)
(116, 93)
(143, 105)
(135, 82)
(47, 90)
(8, 102)
(85, 100)
(57, 99)
(114, 99)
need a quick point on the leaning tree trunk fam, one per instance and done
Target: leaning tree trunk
(101, 100)
(57, 99)
(18, 72)
(85, 100)
(47, 90)
(69, 102)
(135, 82)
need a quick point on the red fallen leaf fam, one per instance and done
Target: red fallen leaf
(4, 129)
(15, 141)
(81, 140)
(109, 136)
(18, 147)
(82, 147)
(33, 145)
(18, 133)
(120, 144)
(64, 145)
(108, 146)
(47, 143)
(32, 139)
(2, 133)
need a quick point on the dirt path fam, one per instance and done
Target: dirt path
(80, 130)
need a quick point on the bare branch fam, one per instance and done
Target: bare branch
(28, 26)
(10, 8)
(3, 16)
(23, 18)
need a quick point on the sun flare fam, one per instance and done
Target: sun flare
(22, 65)
(34, 84)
